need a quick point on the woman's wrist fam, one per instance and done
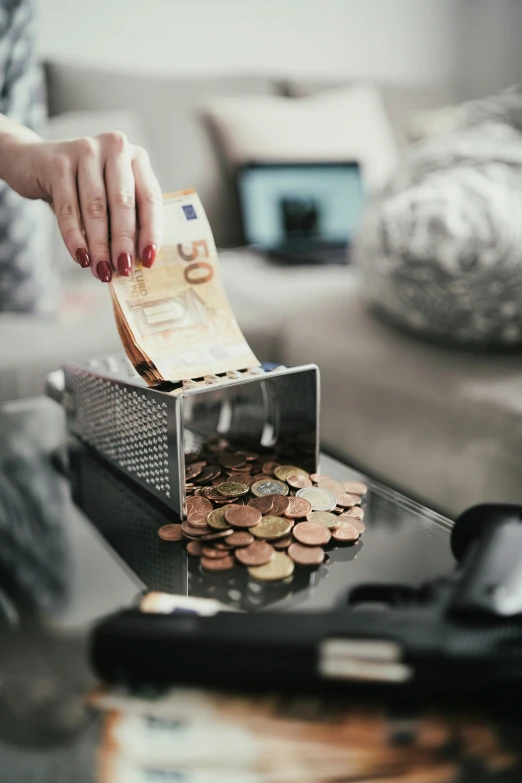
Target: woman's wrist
(16, 144)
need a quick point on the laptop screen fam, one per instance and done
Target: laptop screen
(286, 205)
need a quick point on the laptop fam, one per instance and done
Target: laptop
(301, 212)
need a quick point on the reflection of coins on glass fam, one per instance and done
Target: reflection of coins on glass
(306, 555)
(221, 564)
(216, 519)
(264, 503)
(170, 533)
(297, 508)
(319, 499)
(270, 487)
(233, 489)
(283, 471)
(311, 533)
(256, 554)
(279, 567)
(355, 487)
(325, 518)
(345, 532)
(242, 516)
(271, 527)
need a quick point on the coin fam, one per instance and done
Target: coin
(215, 554)
(218, 534)
(232, 460)
(279, 567)
(250, 456)
(297, 508)
(311, 533)
(194, 532)
(170, 533)
(264, 503)
(216, 519)
(194, 470)
(232, 489)
(271, 527)
(194, 548)
(345, 532)
(209, 473)
(258, 553)
(198, 504)
(318, 476)
(355, 487)
(356, 512)
(280, 503)
(282, 543)
(197, 519)
(319, 499)
(325, 518)
(306, 555)
(269, 467)
(298, 482)
(358, 525)
(331, 485)
(243, 516)
(347, 500)
(283, 471)
(240, 538)
(221, 564)
(270, 487)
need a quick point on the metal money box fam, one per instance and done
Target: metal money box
(146, 432)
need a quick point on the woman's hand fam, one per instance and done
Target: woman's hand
(103, 191)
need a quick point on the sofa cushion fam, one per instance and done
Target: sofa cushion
(402, 102)
(336, 125)
(181, 146)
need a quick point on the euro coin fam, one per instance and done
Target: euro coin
(355, 487)
(270, 487)
(298, 508)
(216, 519)
(345, 532)
(271, 527)
(242, 516)
(306, 555)
(311, 534)
(325, 518)
(319, 499)
(283, 471)
(233, 489)
(170, 533)
(280, 566)
(256, 554)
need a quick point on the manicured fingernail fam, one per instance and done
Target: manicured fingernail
(149, 256)
(82, 257)
(124, 264)
(104, 271)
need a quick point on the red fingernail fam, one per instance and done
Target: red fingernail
(149, 256)
(104, 271)
(124, 264)
(82, 257)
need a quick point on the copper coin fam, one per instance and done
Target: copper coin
(306, 555)
(262, 477)
(345, 532)
(269, 467)
(240, 538)
(347, 500)
(213, 536)
(194, 548)
(170, 533)
(218, 564)
(318, 477)
(243, 516)
(241, 469)
(282, 543)
(355, 487)
(358, 525)
(232, 460)
(223, 545)
(331, 485)
(299, 482)
(356, 512)
(258, 553)
(209, 473)
(213, 552)
(194, 470)
(250, 456)
(198, 504)
(195, 532)
(264, 504)
(280, 503)
(311, 533)
(197, 519)
(297, 508)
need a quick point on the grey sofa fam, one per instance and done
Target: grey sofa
(443, 425)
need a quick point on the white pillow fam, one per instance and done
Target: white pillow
(336, 125)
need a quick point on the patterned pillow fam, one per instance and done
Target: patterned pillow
(441, 249)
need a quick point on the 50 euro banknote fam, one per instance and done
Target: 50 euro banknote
(175, 320)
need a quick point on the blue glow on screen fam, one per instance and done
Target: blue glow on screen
(335, 191)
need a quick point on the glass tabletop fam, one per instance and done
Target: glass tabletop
(82, 543)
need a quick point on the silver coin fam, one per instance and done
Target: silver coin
(319, 499)
(269, 487)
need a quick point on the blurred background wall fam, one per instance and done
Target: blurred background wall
(395, 40)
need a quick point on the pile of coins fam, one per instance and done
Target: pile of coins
(269, 517)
